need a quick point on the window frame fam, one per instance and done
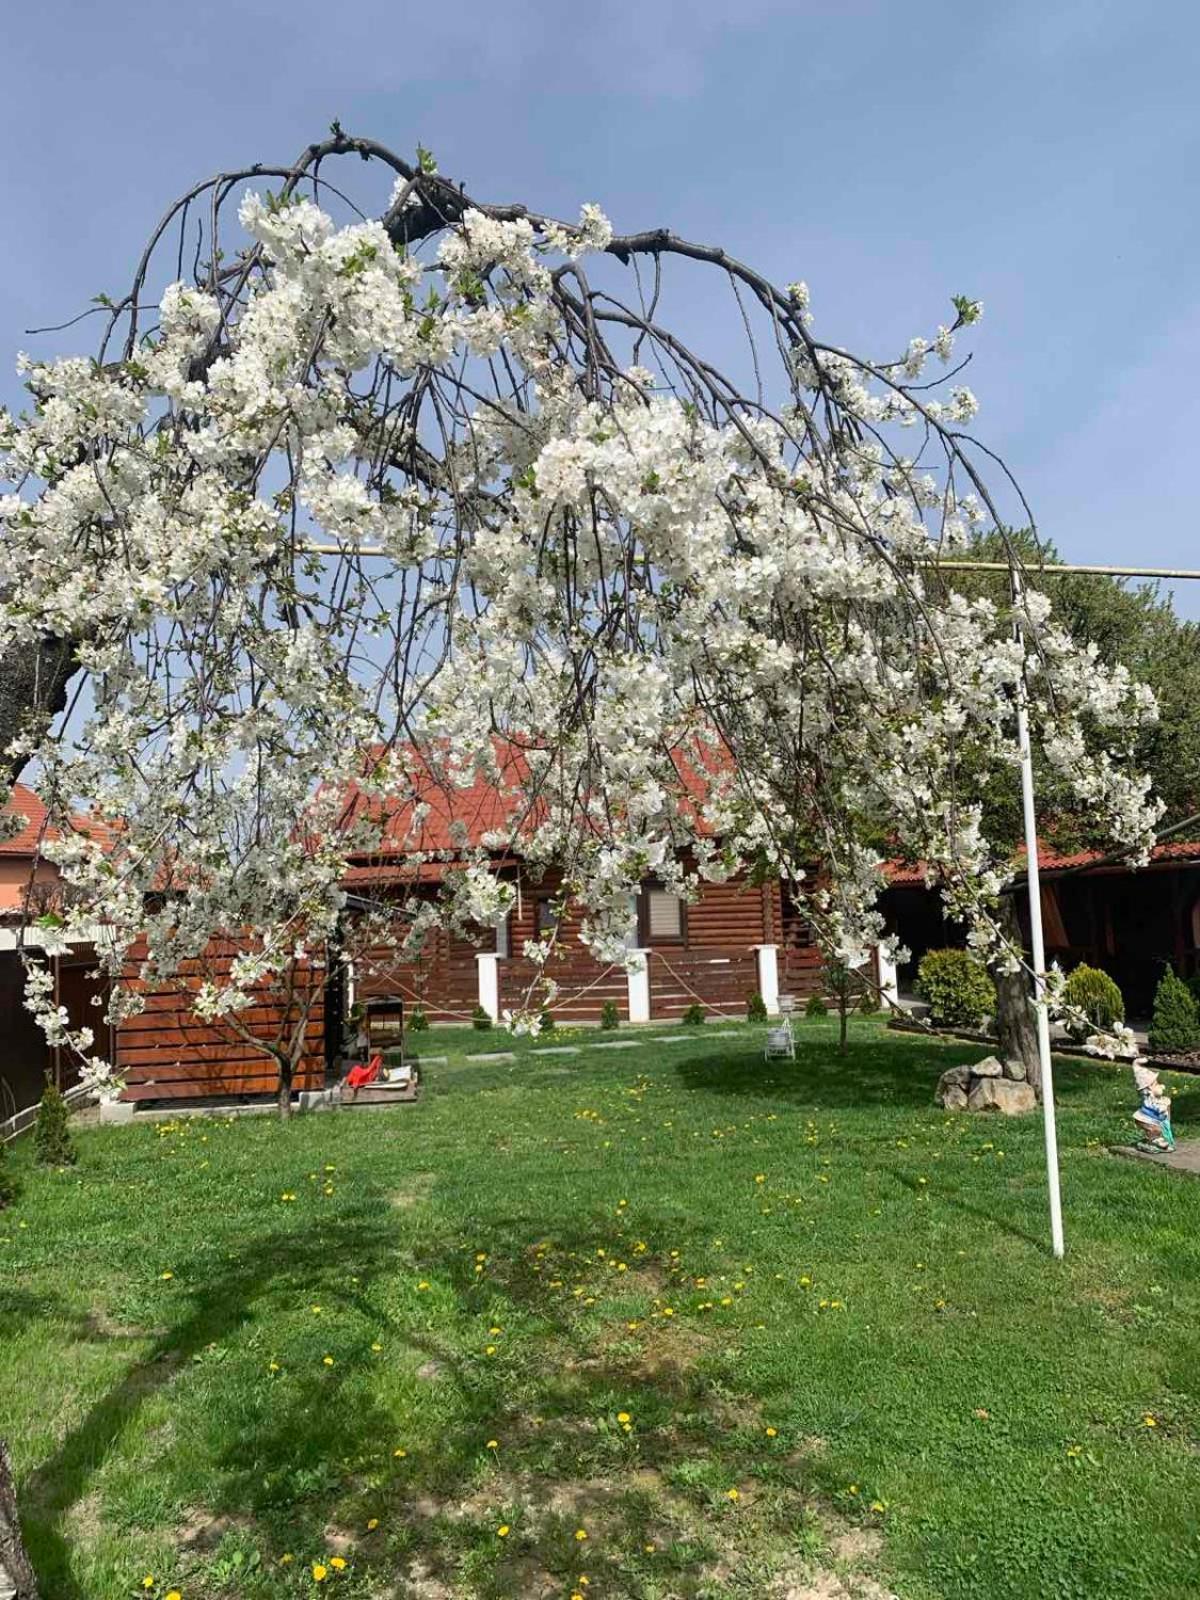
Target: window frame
(676, 941)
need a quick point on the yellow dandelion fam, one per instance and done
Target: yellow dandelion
(377, 1346)
(495, 1331)
(166, 1276)
(733, 1494)
(149, 1581)
(327, 1361)
(422, 1286)
(399, 1454)
(623, 1416)
(172, 1594)
(319, 1572)
(502, 1530)
(490, 1351)
(772, 1433)
(492, 1444)
(338, 1563)
(581, 1534)
(372, 1524)
(879, 1505)
(272, 1366)
(1149, 1420)
(286, 1559)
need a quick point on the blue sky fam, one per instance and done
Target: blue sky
(1042, 157)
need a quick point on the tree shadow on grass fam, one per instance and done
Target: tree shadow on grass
(898, 1070)
(308, 1466)
(271, 1260)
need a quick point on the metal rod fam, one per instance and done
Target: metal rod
(1050, 569)
(1037, 941)
(1058, 568)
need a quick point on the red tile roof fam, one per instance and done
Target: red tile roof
(26, 804)
(459, 818)
(902, 874)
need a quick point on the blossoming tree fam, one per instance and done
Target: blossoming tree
(364, 482)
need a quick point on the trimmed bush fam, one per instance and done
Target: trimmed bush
(481, 1020)
(418, 1022)
(51, 1137)
(1175, 1025)
(957, 987)
(1097, 996)
(756, 1008)
(545, 1023)
(610, 1017)
(693, 1016)
(815, 1006)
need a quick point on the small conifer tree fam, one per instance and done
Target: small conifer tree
(52, 1140)
(1175, 1025)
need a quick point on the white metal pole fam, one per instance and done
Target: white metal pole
(1037, 941)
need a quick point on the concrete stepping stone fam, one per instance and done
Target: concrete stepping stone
(555, 1050)
(616, 1044)
(674, 1038)
(1184, 1157)
(494, 1055)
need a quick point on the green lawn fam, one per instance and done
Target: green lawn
(229, 1351)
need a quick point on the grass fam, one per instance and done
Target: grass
(230, 1351)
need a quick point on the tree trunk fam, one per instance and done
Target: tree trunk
(33, 686)
(285, 1089)
(17, 1581)
(1016, 1028)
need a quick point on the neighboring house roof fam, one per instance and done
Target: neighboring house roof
(902, 875)
(25, 803)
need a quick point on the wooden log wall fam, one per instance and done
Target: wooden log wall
(167, 1053)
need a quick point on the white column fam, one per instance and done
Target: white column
(768, 976)
(638, 978)
(489, 984)
(885, 976)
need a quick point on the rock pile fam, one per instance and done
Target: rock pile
(989, 1085)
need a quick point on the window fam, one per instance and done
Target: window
(662, 917)
(545, 917)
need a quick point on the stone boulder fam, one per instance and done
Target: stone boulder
(989, 1067)
(1015, 1070)
(953, 1099)
(1001, 1094)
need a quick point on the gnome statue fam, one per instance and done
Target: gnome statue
(1153, 1116)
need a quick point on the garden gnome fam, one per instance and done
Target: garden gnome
(1153, 1116)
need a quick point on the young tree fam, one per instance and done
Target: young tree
(363, 501)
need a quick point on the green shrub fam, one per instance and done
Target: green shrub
(756, 1008)
(694, 1015)
(51, 1137)
(815, 1006)
(8, 1184)
(1097, 996)
(418, 1022)
(545, 1023)
(610, 1017)
(1193, 984)
(1175, 1025)
(481, 1020)
(957, 987)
